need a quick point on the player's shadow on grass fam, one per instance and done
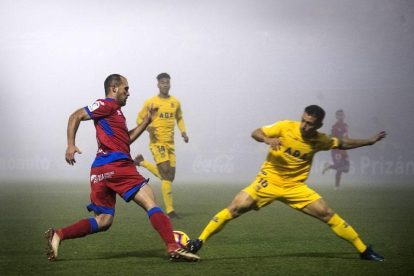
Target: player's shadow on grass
(156, 253)
(342, 256)
(327, 255)
(160, 254)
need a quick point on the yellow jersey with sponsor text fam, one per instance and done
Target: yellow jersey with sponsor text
(292, 162)
(169, 112)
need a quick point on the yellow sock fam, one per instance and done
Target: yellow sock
(346, 232)
(151, 167)
(216, 224)
(167, 194)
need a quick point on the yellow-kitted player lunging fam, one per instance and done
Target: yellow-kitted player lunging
(282, 177)
(162, 138)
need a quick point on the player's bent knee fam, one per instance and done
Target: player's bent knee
(104, 223)
(344, 167)
(104, 226)
(169, 177)
(236, 210)
(327, 214)
(322, 212)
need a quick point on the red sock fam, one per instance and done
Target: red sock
(162, 224)
(77, 230)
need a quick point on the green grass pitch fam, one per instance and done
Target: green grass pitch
(274, 241)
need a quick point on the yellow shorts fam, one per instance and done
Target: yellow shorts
(267, 188)
(163, 152)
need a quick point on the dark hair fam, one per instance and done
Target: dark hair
(163, 75)
(112, 80)
(315, 111)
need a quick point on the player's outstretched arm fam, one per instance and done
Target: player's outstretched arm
(138, 130)
(348, 143)
(260, 136)
(73, 125)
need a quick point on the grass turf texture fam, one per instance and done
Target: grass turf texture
(274, 241)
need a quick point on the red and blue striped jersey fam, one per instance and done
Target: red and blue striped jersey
(111, 131)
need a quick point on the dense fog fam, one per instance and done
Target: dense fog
(234, 65)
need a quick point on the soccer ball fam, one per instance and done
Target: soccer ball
(181, 238)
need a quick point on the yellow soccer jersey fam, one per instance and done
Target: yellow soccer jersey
(292, 162)
(169, 111)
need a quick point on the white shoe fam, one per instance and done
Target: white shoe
(325, 167)
(53, 242)
(181, 254)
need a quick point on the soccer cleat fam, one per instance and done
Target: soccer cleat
(194, 245)
(325, 167)
(173, 215)
(52, 244)
(181, 254)
(138, 159)
(369, 254)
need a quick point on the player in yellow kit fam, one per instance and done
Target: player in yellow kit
(162, 138)
(282, 177)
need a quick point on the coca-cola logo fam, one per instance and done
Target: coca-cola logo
(222, 163)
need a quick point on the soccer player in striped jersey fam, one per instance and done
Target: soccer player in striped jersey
(161, 132)
(283, 175)
(113, 171)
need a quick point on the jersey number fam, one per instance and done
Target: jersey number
(263, 182)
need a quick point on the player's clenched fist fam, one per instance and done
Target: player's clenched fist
(274, 143)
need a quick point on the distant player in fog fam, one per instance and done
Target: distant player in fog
(339, 157)
(161, 132)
